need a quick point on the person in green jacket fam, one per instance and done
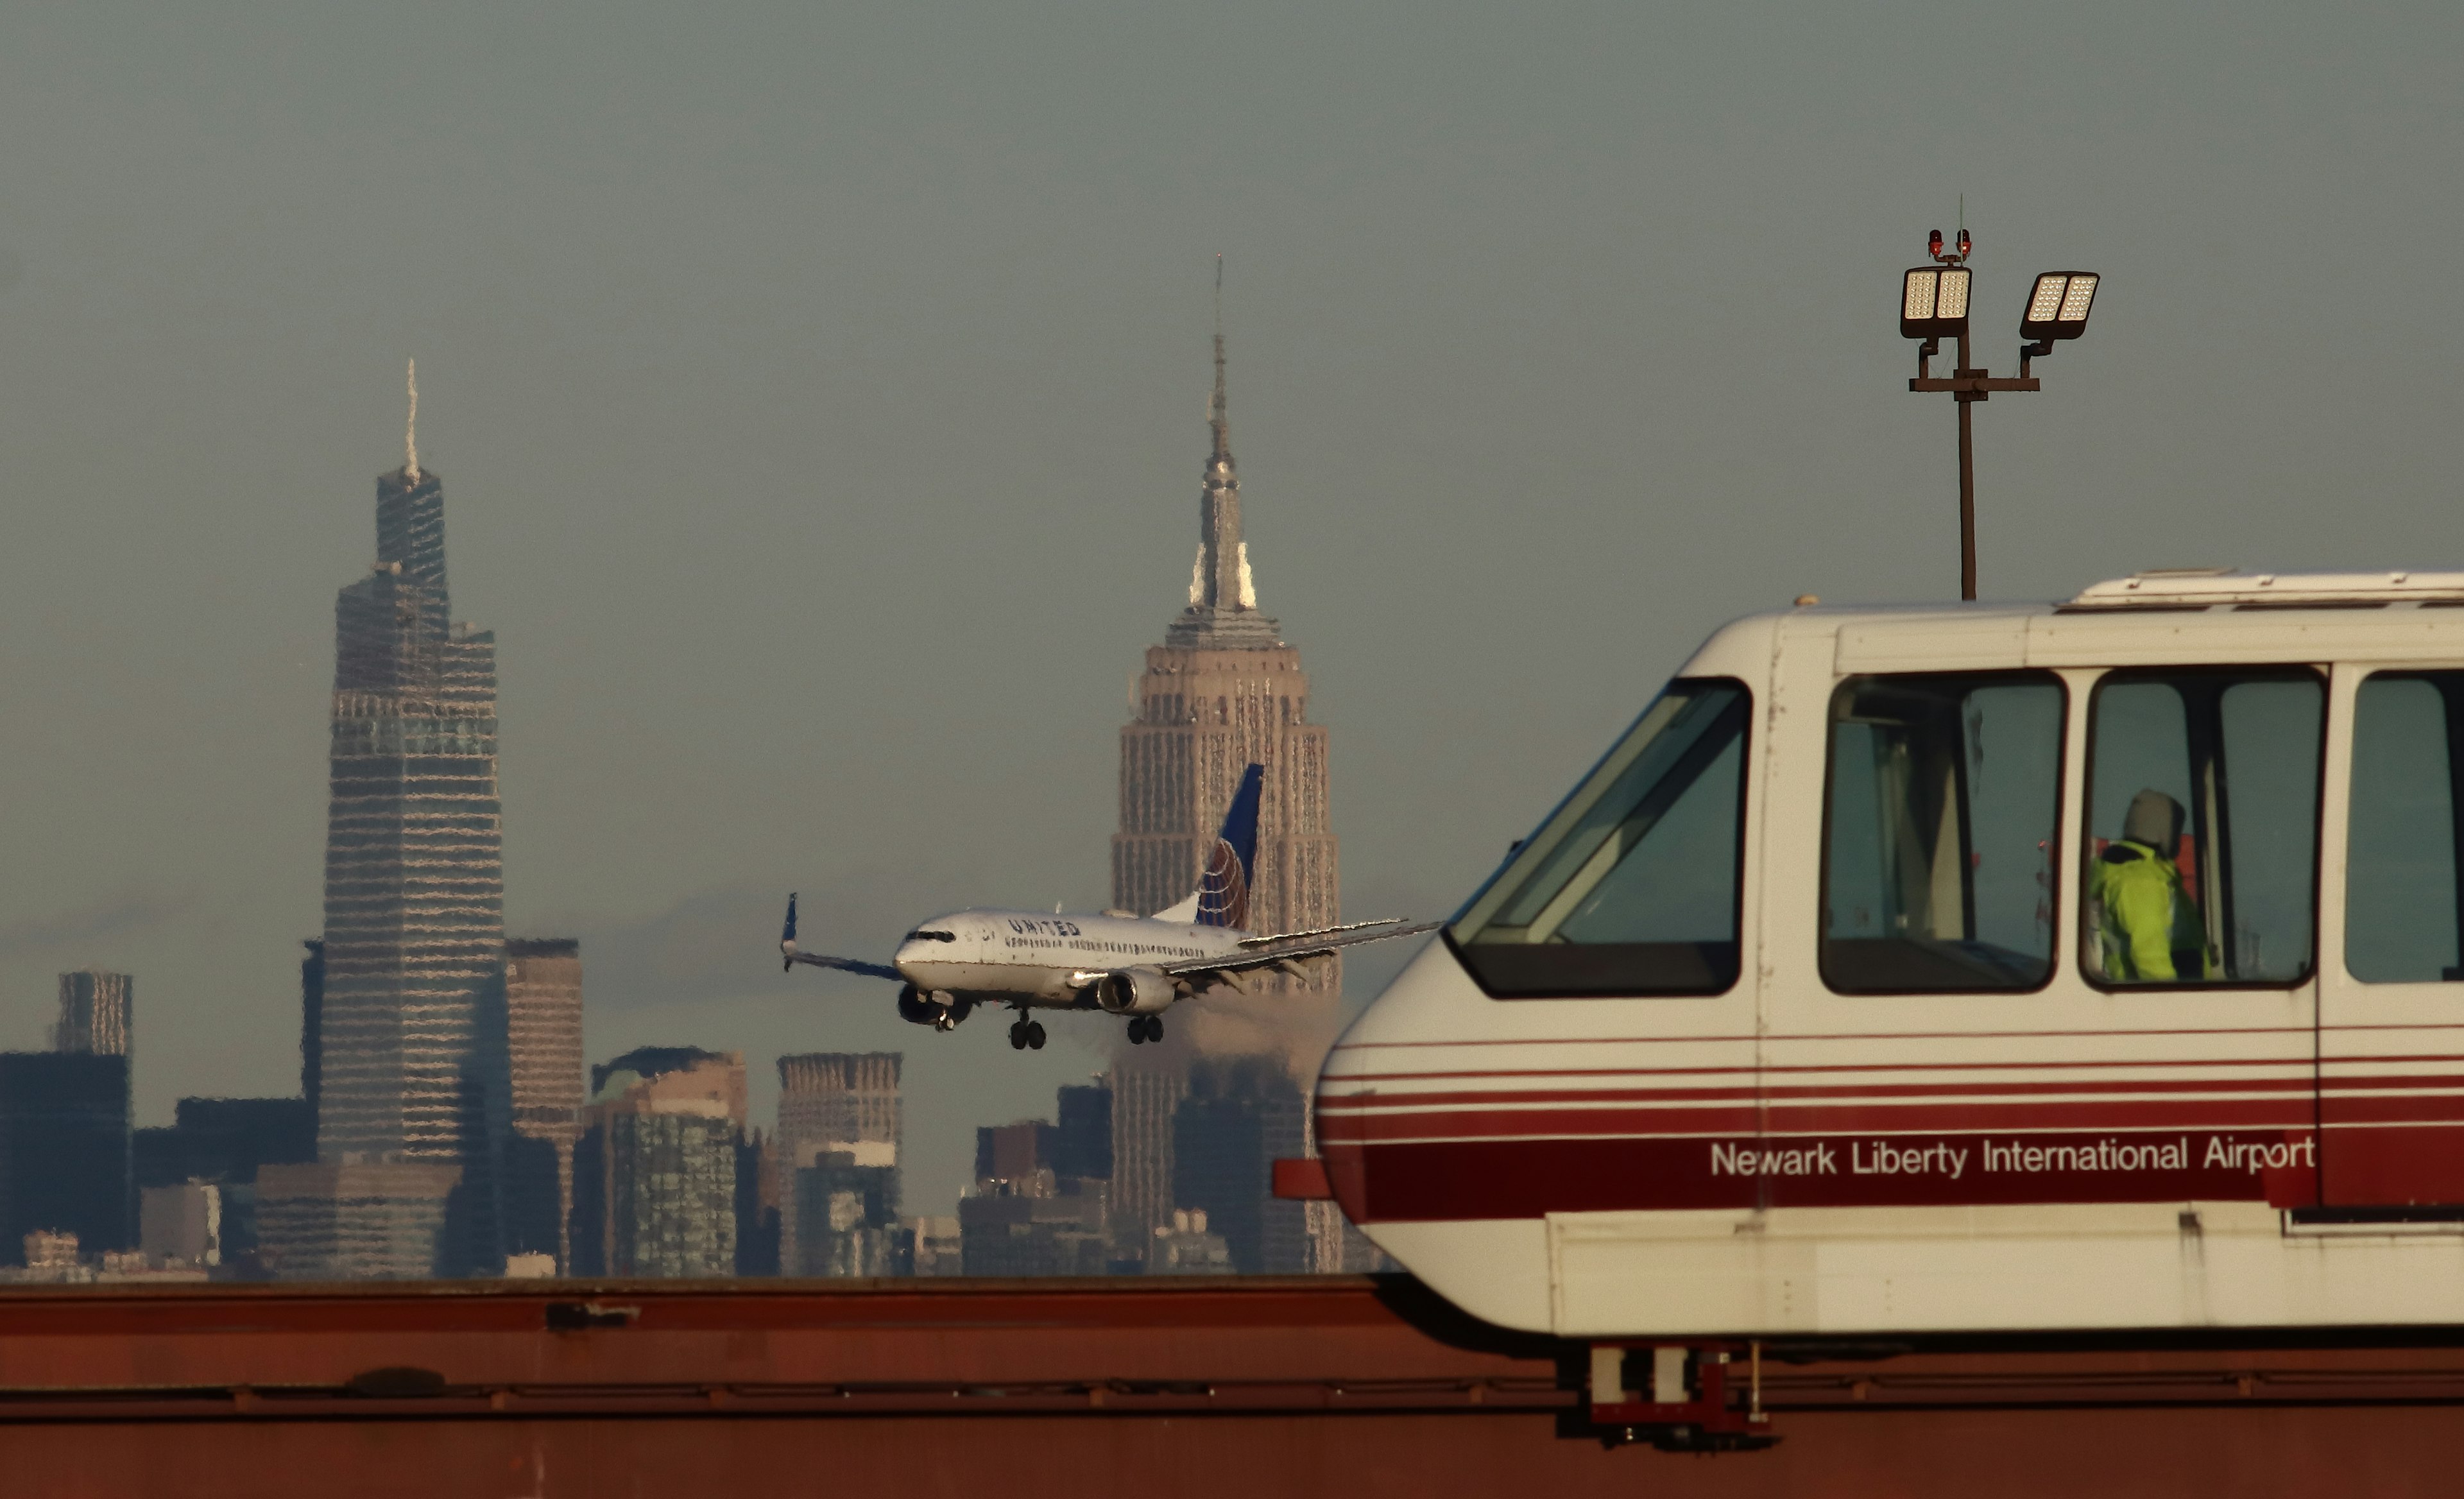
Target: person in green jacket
(2151, 928)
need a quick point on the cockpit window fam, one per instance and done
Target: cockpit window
(1631, 887)
(928, 935)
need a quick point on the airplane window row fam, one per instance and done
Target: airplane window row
(1942, 819)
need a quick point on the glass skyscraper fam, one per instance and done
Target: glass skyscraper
(413, 1057)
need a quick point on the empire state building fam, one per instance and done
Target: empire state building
(1221, 691)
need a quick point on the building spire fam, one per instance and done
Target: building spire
(410, 509)
(1218, 418)
(1222, 596)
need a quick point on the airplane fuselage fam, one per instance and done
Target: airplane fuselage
(1041, 959)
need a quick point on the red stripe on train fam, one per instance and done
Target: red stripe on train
(1471, 1180)
(2302, 1084)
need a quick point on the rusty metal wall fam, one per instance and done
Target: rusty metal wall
(1114, 1387)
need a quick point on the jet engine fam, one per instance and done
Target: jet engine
(1134, 991)
(918, 1010)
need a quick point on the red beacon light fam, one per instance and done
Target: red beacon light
(1963, 244)
(1933, 243)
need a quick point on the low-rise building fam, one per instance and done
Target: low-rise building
(934, 1245)
(354, 1220)
(181, 1227)
(1035, 1227)
(1184, 1247)
(846, 1218)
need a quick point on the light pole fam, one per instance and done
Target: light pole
(1933, 306)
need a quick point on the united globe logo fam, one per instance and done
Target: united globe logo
(1223, 893)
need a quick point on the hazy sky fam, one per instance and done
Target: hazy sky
(819, 390)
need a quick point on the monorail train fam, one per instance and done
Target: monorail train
(2092, 965)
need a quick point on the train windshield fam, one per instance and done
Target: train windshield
(1631, 887)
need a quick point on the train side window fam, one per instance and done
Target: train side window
(2201, 862)
(1630, 886)
(1941, 814)
(2402, 923)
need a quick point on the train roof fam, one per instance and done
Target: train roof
(2161, 616)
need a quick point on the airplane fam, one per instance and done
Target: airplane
(1117, 962)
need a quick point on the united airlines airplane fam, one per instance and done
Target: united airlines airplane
(1123, 965)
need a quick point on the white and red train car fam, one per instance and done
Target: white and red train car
(1829, 1002)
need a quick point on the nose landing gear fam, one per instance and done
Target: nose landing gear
(1144, 1028)
(1025, 1035)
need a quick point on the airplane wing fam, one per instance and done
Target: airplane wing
(1287, 951)
(845, 965)
(793, 955)
(1331, 931)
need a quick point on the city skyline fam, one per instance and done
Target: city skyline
(431, 1042)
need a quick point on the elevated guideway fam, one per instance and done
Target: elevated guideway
(1201, 1386)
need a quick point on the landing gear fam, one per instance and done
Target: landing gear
(1025, 1035)
(1144, 1028)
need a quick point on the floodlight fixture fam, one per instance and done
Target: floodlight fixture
(1933, 302)
(2058, 306)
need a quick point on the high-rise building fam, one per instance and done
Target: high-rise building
(655, 1171)
(543, 1024)
(65, 1149)
(1242, 1114)
(757, 1206)
(1084, 1144)
(842, 1103)
(311, 1021)
(98, 1013)
(413, 1063)
(1145, 1089)
(1222, 692)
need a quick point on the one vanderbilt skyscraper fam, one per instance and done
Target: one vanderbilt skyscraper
(414, 1064)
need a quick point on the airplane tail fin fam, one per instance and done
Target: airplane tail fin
(1223, 895)
(787, 936)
